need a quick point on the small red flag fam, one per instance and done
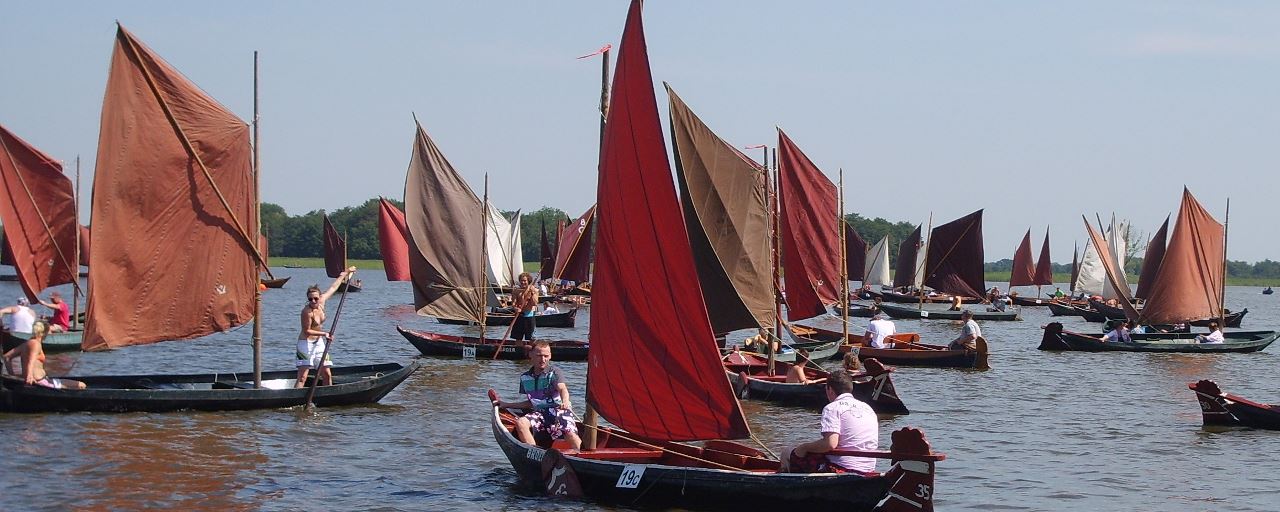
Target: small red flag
(602, 49)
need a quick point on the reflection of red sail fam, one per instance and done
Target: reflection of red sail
(954, 262)
(1044, 267)
(173, 174)
(1151, 261)
(1188, 285)
(1023, 272)
(810, 233)
(38, 212)
(647, 311)
(393, 241)
(335, 250)
(573, 259)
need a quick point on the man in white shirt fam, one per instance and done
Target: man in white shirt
(969, 334)
(878, 331)
(23, 316)
(1214, 336)
(847, 424)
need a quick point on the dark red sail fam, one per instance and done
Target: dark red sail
(810, 233)
(335, 250)
(1044, 267)
(954, 262)
(653, 368)
(855, 249)
(37, 207)
(546, 256)
(573, 261)
(84, 245)
(393, 241)
(904, 273)
(1023, 272)
(1151, 261)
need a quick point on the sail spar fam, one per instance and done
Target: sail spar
(173, 173)
(393, 241)
(38, 212)
(653, 368)
(810, 233)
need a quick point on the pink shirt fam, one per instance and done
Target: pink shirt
(857, 427)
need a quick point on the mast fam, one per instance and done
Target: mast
(923, 266)
(1222, 294)
(484, 258)
(75, 274)
(777, 262)
(590, 418)
(257, 241)
(844, 265)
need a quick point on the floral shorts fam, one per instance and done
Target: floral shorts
(555, 422)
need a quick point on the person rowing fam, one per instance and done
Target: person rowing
(313, 338)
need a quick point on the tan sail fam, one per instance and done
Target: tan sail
(1188, 284)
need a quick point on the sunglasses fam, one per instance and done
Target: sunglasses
(313, 299)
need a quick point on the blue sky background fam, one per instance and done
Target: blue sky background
(1037, 111)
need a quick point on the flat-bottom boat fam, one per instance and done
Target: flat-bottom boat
(351, 286)
(909, 313)
(436, 344)
(1061, 307)
(749, 374)
(1019, 300)
(203, 392)
(858, 310)
(719, 475)
(275, 283)
(564, 319)
(1221, 408)
(907, 351)
(1055, 338)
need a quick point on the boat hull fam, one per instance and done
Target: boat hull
(1221, 408)
(566, 319)
(910, 313)
(922, 356)
(203, 392)
(53, 342)
(436, 344)
(749, 374)
(275, 283)
(1056, 339)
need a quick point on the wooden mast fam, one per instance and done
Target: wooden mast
(484, 258)
(591, 418)
(75, 274)
(257, 242)
(844, 265)
(777, 263)
(1222, 294)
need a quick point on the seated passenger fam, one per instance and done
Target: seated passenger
(956, 302)
(969, 334)
(796, 374)
(878, 331)
(27, 361)
(847, 424)
(546, 399)
(851, 364)
(1118, 333)
(1214, 336)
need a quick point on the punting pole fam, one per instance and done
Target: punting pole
(75, 276)
(1222, 295)
(484, 258)
(844, 265)
(257, 242)
(590, 418)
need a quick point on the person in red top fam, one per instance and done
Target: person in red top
(61, 319)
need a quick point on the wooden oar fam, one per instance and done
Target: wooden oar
(333, 327)
(506, 334)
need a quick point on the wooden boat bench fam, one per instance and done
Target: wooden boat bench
(620, 454)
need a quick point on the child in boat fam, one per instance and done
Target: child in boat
(29, 359)
(546, 398)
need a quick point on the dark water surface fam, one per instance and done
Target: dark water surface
(1040, 431)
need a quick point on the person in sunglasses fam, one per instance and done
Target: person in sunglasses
(313, 338)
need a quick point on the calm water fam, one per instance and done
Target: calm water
(1040, 431)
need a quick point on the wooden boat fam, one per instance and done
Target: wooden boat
(858, 310)
(204, 392)
(53, 342)
(352, 286)
(1019, 300)
(436, 344)
(1267, 291)
(275, 283)
(908, 312)
(645, 461)
(749, 373)
(914, 298)
(817, 350)
(564, 319)
(1063, 308)
(910, 352)
(294, 266)
(1055, 338)
(1221, 408)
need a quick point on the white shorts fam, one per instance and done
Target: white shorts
(309, 352)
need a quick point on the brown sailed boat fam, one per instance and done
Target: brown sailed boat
(335, 257)
(1027, 274)
(1221, 408)
(646, 459)
(751, 378)
(908, 352)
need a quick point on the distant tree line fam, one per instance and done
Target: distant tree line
(300, 236)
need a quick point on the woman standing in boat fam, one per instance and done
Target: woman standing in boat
(525, 301)
(313, 338)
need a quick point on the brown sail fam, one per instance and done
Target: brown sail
(1024, 274)
(855, 250)
(446, 235)
(904, 273)
(335, 250)
(1188, 285)
(954, 262)
(84, 246)
(38, 212)
(173, 173)
(722, 193)
(810, 232)
(573, 256)
(1151, 261)
(1044, 267)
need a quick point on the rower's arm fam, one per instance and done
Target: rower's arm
(333, 288)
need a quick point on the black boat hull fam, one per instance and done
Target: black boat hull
(566, 319)
(1055, 338)
(436, 344)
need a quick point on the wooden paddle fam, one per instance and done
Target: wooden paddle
(333, 327)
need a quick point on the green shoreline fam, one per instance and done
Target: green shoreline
(533, 267)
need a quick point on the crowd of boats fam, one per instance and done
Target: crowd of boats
(674, 265)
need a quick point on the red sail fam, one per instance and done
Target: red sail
(810, 233)
(954, 262)
(335, 250)
(573, 261)
(654, 368)
(1044, 267)
(547, 257)
(1151, 261)
(154, 203)
(1188, 285)
(904, 273)
(1023, 273)
(38, 212)
(1075, 266)
(855, 249)
(84, 246)
(393, 241)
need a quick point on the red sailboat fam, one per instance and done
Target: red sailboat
(573, 256)
(393, 241)
(335, 256)
(654, 372)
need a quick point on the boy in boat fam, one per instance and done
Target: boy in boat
(546, 398)
(31, 365)
(878, 331)
(969, 334)
(61, 319)
(1214, 336)
(847, 424)
(313, 339)
(524, 300)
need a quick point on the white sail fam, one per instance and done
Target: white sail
(1092, 279)
(502, 241)
(876, 269)
(1116, 238)
(921, 257)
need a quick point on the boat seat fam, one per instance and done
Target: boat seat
(726, 458)
(769, 378)
(232, 385)
(622, 454)
(732, 447)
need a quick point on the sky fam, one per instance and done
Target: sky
(1038, 112)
